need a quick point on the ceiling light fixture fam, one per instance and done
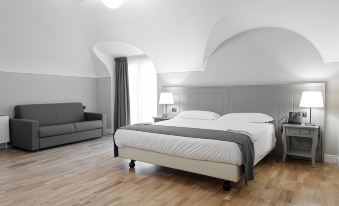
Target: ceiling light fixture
(113, 4)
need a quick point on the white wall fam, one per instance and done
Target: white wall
(18, 88)
(267, 56)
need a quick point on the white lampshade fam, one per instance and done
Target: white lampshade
(312, 99)
(166, 98)
(113, 4)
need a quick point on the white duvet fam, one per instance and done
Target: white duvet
(261, 134)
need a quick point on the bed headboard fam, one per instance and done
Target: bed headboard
(273, 100)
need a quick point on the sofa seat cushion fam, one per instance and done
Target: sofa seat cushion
(53, 130)
(87, 125)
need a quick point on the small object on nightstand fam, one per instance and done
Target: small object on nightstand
(294, 118)
(159, 119)
(300, 131)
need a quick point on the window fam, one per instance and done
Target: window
(142, 88)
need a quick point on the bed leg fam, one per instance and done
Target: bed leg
(132, 164)
(227, 186)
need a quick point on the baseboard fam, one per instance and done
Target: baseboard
(4, 146)
(333, 159)
(109, 131)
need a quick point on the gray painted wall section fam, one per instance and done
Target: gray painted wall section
(104, 99)
(19, 88)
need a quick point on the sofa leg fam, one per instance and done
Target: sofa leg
(132, 164)
(227, 186)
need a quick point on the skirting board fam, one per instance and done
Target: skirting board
(334, 159)
(4, 146)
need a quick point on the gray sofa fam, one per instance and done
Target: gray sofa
(38, 126)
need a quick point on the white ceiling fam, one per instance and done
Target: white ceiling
(58, 36)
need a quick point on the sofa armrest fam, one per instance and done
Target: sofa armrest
(89, 116)
(25, 134)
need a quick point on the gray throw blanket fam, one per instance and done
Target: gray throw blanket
(245, 144)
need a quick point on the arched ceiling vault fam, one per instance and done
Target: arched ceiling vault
(108, 50)
(227, 27)
(267, 55)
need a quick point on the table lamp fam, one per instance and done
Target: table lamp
(166, 98)
(311, 99)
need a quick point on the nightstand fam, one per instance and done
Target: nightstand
(159, 119)
(305, 132)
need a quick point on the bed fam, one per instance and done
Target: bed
(219, 159)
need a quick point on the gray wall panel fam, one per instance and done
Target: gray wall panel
(200, 101)
(273, 100)
(19, 88)
(104, 100)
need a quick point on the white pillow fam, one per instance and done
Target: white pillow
(197, 114)
(247, 117)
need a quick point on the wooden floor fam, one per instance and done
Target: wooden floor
(87, 174)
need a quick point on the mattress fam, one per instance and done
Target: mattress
(262, 135)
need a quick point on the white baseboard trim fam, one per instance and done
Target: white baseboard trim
(110, 131)
(334, 159)
(4, 146)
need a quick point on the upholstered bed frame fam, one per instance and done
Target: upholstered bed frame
(228, 172)
(274, 100)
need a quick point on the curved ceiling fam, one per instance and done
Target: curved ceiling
(316, 21)
(259, 56)
(58, 36)
(107, 51)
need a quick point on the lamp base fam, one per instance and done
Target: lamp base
(164, 115)
(310, 124)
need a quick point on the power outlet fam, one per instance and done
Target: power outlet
(303, 114)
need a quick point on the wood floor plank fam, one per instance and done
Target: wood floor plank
(86, 173)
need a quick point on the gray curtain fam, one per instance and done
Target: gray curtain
(122, 105)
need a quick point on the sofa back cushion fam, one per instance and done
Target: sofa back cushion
(51, 114)
(45, 114)
(70, 112)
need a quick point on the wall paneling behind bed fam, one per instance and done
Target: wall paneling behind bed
(273, 100)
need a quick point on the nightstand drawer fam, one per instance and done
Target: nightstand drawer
(300, 132)
(293, 131)
(306, 132)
